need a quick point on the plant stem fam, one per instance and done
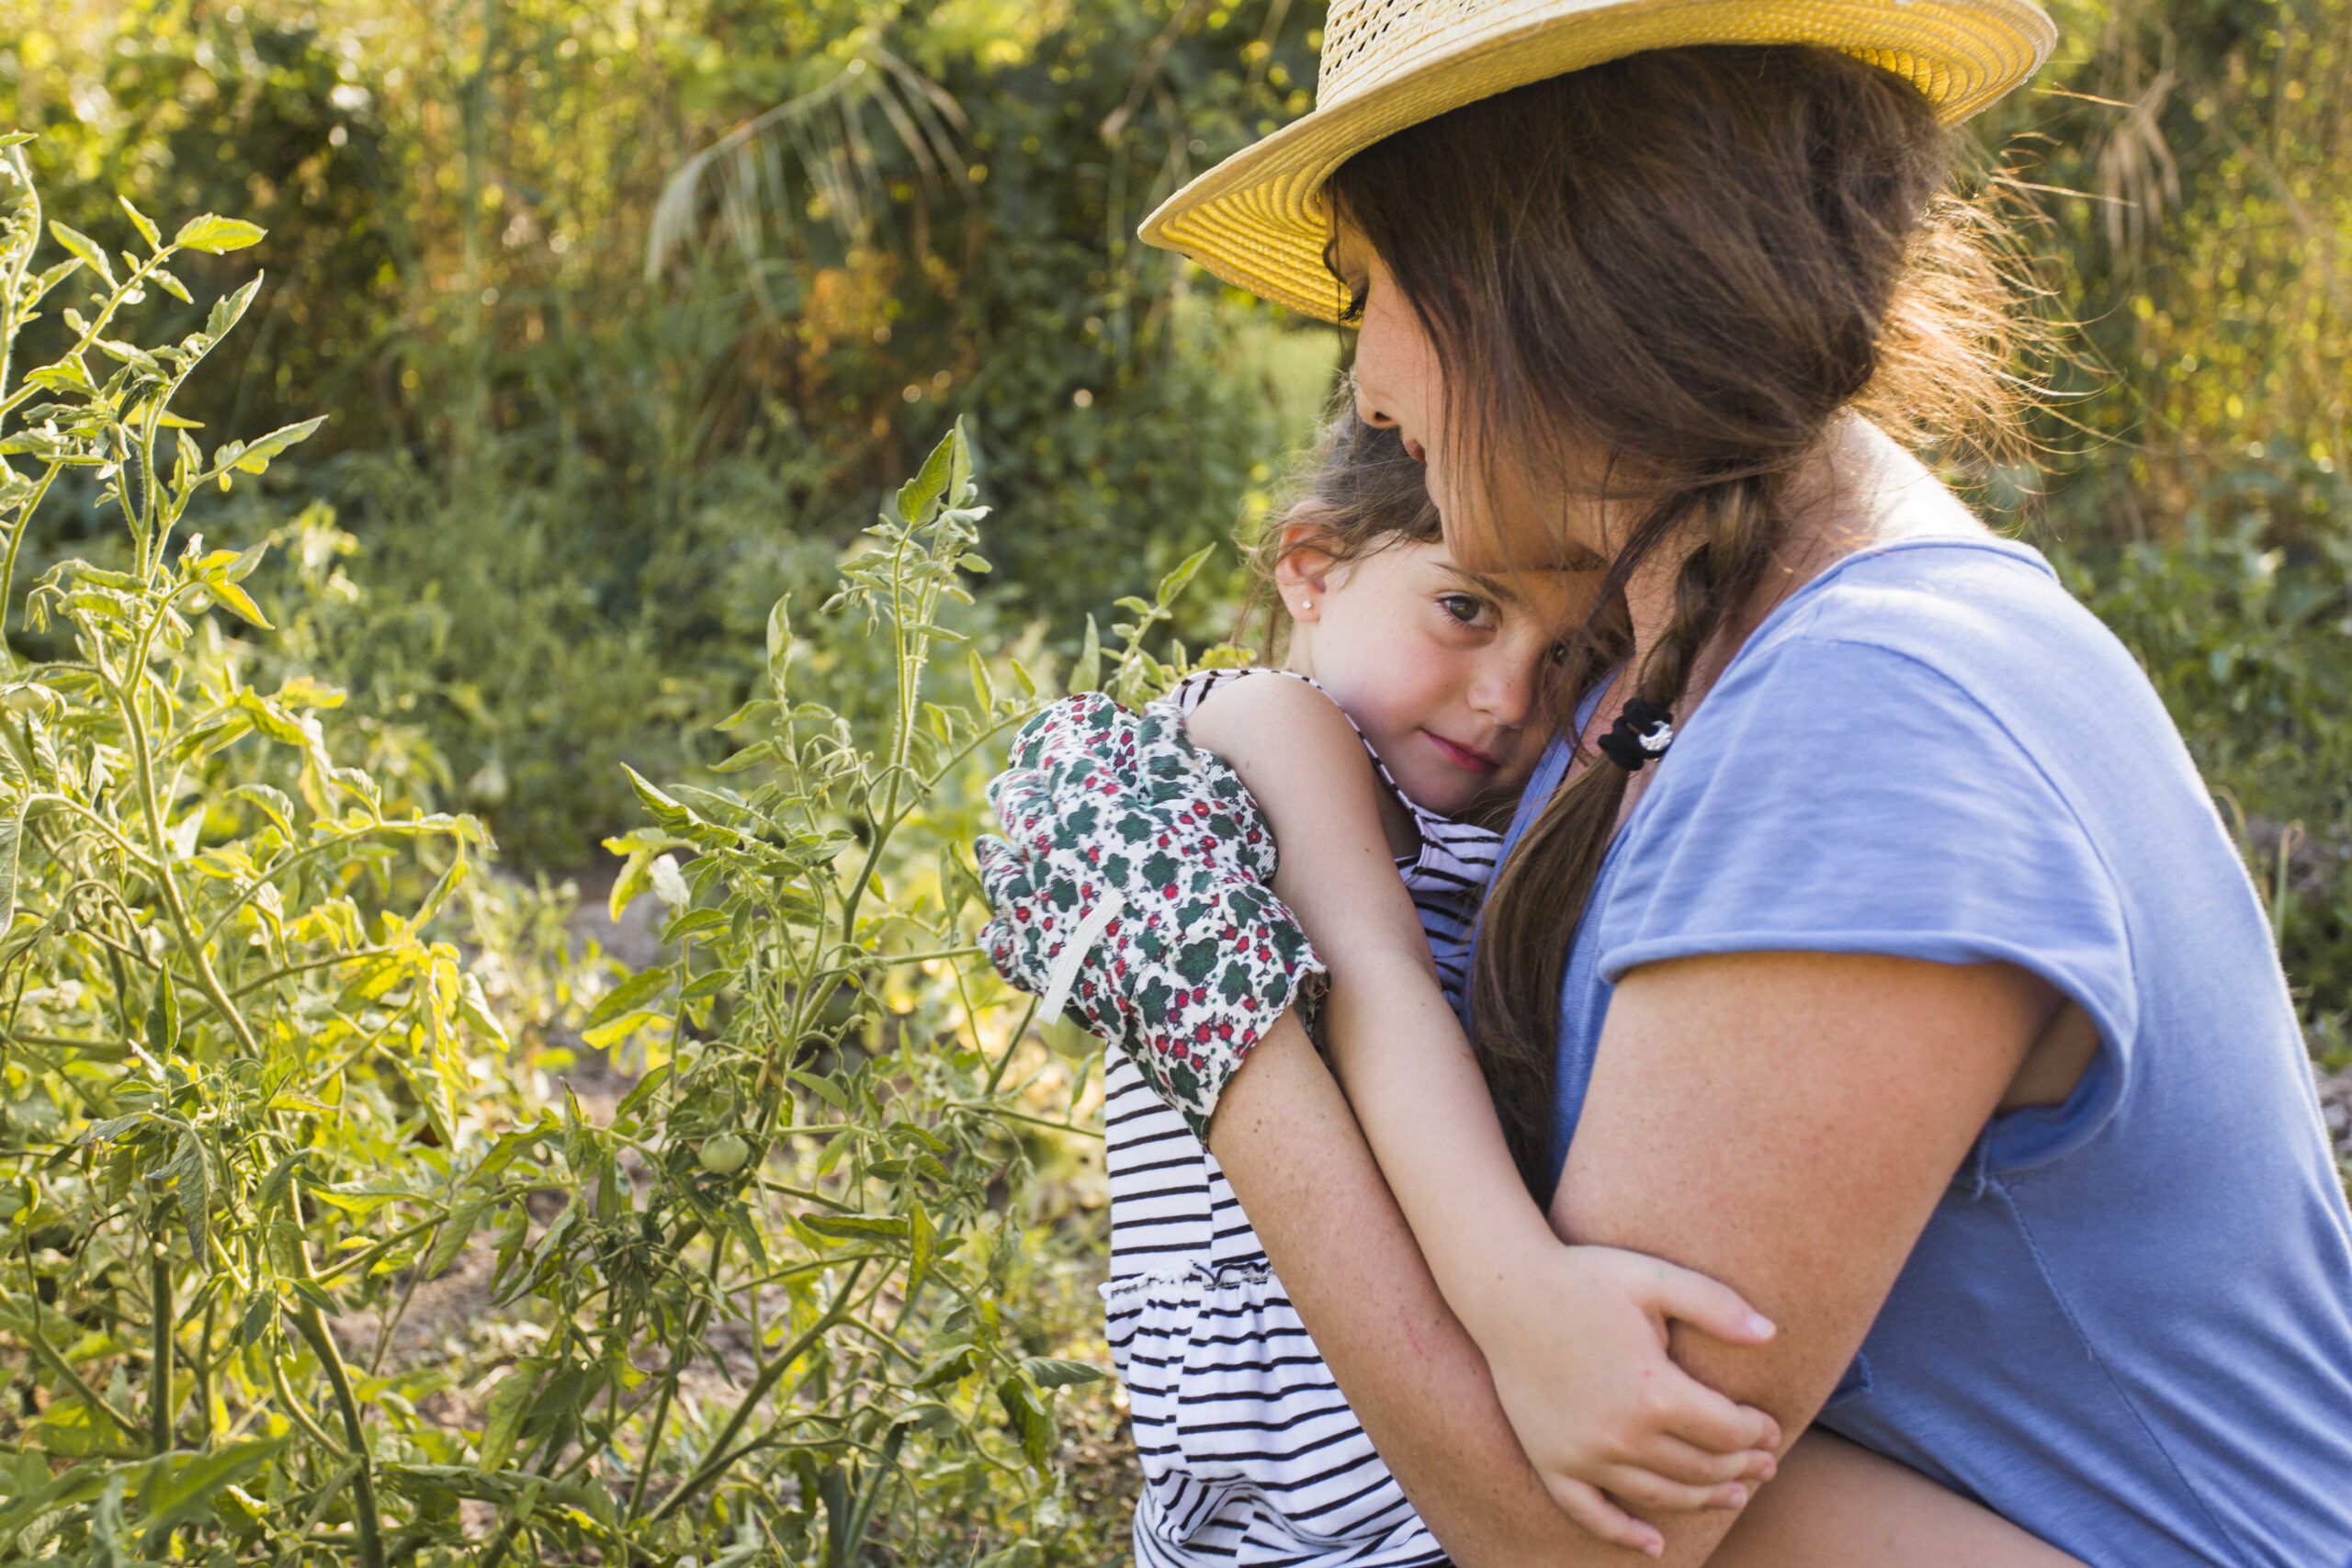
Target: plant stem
(81, 1385)
(14, 282)
(715, 1466)
(313, 1327)
(298, 1413)
(995, 1074)
(16, 541)
(652, 1447)
(204, 1368)
(191, 944)
(159, 1289)
(408, 1295)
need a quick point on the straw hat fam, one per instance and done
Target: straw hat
(1258, 218)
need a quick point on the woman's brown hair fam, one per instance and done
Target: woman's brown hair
(1662, 277)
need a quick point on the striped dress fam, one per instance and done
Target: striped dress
(1249, 1453)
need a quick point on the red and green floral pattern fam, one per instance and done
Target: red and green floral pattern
(1200, 958)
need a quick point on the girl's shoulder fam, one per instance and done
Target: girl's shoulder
(1192, 693)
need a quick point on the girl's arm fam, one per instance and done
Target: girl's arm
(1578, 1333)
(1289, 1145)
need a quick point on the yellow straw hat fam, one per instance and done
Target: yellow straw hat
(1258, 218)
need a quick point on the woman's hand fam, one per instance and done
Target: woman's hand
(1576, 1338)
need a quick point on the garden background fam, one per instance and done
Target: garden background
(422, 1138)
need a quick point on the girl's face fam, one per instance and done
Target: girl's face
(1441, 669)
(1400, 385)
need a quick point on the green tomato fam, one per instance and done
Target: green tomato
(724, 1154)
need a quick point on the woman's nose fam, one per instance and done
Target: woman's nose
(1370, 413)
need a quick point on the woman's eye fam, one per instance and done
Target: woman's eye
(1352, 314)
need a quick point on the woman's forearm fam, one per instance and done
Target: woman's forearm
(1298, 1164)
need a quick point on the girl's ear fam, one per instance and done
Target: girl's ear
(1306, 569)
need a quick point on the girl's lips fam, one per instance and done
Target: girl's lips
(1462, 756)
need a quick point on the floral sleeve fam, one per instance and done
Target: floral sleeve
(1133, 884)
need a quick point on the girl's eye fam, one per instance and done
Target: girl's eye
(1465, 608)
(1557, 654)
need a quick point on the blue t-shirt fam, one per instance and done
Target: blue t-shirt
(2128, 1327)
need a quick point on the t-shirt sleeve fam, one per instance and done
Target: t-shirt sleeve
(1837, 796)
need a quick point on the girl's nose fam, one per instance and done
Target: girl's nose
(1505, 690)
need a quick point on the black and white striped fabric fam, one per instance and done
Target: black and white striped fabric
(1251, 1454)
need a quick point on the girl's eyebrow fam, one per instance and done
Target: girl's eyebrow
(1493, 587)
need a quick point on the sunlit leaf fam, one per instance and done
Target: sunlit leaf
(215, 234)
(139, 220)
(83, 248)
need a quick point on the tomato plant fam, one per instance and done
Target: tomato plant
(253, 1086)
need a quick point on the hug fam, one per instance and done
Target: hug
(1697, 1007)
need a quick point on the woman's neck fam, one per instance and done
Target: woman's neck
(1856, 490)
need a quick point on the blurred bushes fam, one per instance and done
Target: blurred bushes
(2192, 167)
(580, 472)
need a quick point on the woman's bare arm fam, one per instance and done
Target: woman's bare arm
(1838, 1506)
(1295, 1158)
(1786, 1123)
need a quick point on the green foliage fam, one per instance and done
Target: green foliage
(2192, 160)
(626, 318)
(580, 482)
(251, 1088)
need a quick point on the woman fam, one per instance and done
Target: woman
(1888, 962)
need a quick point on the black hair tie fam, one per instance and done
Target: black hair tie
(1641, 735)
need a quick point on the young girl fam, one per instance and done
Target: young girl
(1402, 714)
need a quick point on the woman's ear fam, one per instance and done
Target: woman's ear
(1305, 568)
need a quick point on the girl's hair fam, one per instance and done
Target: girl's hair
(1660, 278)
(1363, 493)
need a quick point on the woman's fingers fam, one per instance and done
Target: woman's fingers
(1591, 1509)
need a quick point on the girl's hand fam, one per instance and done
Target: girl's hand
(1577, 1344)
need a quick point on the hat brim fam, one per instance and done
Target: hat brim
(1257, 220)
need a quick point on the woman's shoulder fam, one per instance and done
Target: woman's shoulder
(1978, 618)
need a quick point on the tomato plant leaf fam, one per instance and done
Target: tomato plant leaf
(215, 234)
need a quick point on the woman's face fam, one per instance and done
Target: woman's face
(1492, 520)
